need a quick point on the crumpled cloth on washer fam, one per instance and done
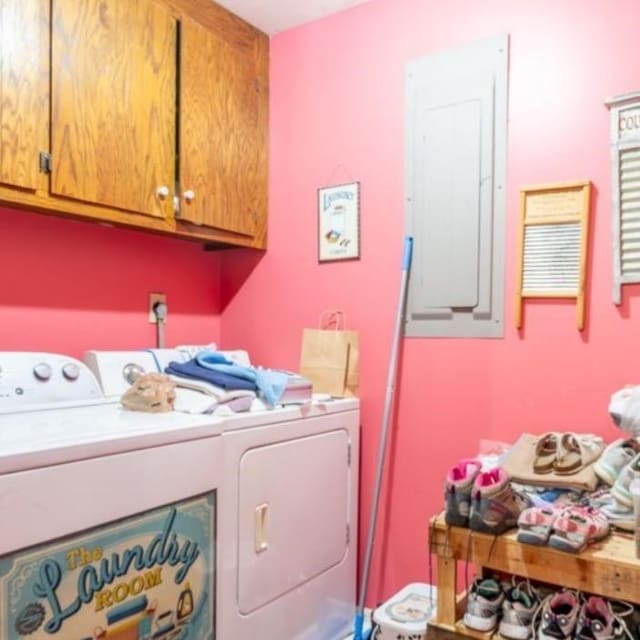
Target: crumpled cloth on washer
(150, 392)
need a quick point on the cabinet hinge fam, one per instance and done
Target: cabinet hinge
(45, 162)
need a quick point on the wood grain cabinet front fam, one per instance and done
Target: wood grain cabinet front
(24, 92)
(223, 168)
(158, 115)
(113, 100)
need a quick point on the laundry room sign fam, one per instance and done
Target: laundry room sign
(148, 576)
(339, 222)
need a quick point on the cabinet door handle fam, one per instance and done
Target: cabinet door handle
(189, 195)
(162, 192)
(260, 539)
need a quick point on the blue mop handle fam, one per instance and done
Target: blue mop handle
(386, 420)
(359, 624)
(408, 253)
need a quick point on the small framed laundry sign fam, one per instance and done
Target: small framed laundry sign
(339, 222)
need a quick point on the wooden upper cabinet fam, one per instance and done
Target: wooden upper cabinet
(223, 127)
(114, 103)
(24, 91)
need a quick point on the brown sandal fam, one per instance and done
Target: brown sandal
(570, 456)
(545, 453)
(576, 451)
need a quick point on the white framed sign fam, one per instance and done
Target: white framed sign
(624, 143)
(339, 222)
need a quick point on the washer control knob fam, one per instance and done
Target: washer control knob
(132, 372)
(42, 371)
(71, 371)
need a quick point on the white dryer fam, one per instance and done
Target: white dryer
(289, 531)
(109, 518)
(288, 513)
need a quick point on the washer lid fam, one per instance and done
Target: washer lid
(43, 438)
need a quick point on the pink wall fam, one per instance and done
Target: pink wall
(337, 109)
(69, 286)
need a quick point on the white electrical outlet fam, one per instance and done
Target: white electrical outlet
(153, 299)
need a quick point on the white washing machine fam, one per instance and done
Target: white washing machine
(288, 524)
(109, 517)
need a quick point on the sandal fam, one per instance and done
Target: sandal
(578, 527)
(545, 453)
(536, 524)
(576, 452)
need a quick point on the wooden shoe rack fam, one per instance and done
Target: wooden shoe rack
(608, 568)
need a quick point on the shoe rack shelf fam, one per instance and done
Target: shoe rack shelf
(608, 568)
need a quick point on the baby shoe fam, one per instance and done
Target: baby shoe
(495, 506)
(614, 458)
(576, 451)
(597, 621)
(457, 493)
(620, 490)
(619, 515)
(536, 524)
(578, 527)
(518, 608)
(483, 604)
(559, 616)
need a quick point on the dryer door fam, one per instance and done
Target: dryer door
(293, 515)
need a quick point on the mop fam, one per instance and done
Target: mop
(386, 418)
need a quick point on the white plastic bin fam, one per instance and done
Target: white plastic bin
(406, 614)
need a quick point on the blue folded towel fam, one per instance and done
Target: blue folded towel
(272, 384)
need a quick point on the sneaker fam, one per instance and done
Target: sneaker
(518, 608)
(619, 515)
(535, 524)
(559, 616)
(457, 493)
(578, 527)
(620, 490)
(614, 458)
(495, 506)
(483, 604)
(597, 622)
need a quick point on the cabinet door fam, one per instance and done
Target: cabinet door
(223, 124)
(113, 103)
(24, 91)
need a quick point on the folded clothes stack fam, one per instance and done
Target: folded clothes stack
(214, 368)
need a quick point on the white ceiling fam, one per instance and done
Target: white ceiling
(273, 16)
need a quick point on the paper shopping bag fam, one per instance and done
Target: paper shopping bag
(353, 364)
(329, 359)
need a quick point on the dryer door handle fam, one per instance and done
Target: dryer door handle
(261, 543)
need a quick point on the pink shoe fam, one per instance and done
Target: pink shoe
(495, 506)
(457, 493)
(536, 524)
(578, 527)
